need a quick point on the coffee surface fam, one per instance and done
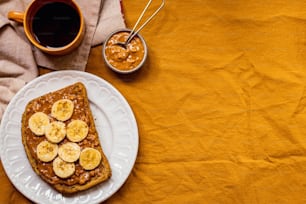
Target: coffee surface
(55, 24)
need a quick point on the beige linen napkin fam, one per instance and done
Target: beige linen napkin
(17, 64)
(110, 19)
(19, 59)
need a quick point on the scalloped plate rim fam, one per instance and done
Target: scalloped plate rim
(81, 74)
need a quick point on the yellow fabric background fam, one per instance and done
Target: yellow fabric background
(220, 104)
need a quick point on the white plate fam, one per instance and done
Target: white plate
(115, 123)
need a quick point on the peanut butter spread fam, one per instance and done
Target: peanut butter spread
(44, 104)
(121, 58)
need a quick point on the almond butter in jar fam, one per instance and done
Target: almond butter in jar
(124, 60)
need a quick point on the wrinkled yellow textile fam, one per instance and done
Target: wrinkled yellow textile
(220, 104)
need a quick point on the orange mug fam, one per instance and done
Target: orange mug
(55, 27)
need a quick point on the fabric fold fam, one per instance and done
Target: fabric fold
(111, 19)
(16, 67)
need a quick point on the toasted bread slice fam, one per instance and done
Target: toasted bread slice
(81, 179)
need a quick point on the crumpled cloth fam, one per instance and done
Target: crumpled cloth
(17, 63)
(220, 105)
(19, 59)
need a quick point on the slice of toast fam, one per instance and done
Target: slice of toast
(81, 179)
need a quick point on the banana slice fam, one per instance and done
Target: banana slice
(90, 158)
(77, 130)
(62, 109)
(46, 151)
(69, 152)
(37, 123)
(63, 169)
(55, 131)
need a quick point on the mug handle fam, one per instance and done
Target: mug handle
(16, 16)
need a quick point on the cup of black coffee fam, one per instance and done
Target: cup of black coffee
(56, 27)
